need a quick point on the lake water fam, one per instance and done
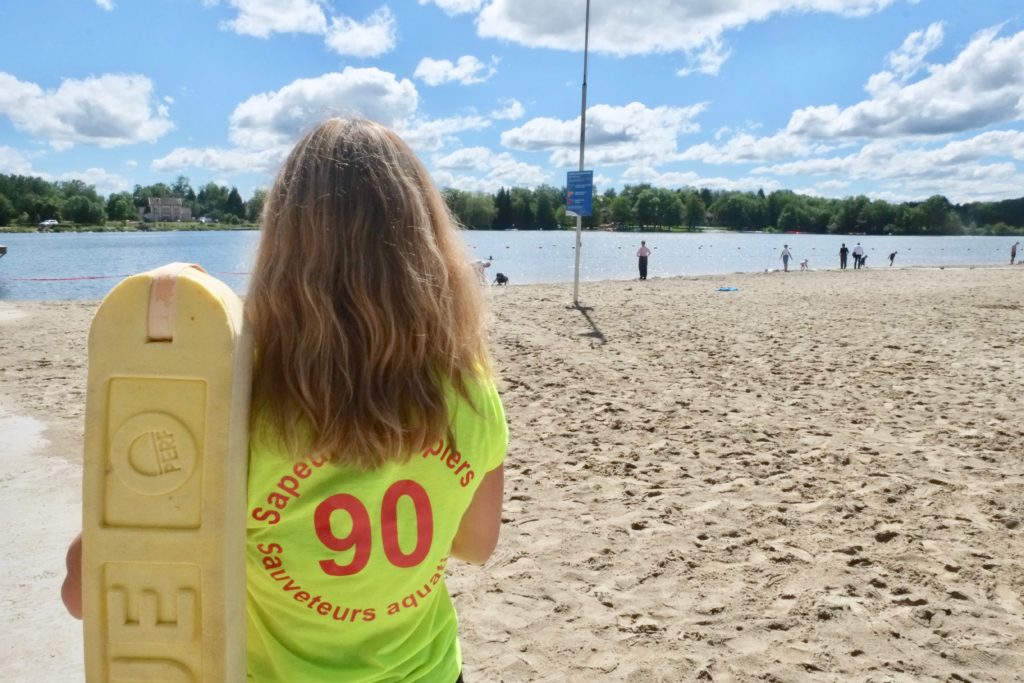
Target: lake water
(59, 266)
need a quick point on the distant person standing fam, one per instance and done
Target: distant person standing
(1013, 252)
(785, 256)
(892, 257)
(641, 254)
(858, 256)
(843, 253)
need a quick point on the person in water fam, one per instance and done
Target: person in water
(785, 256)
(642, 254)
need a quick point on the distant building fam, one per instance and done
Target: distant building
(165, 209)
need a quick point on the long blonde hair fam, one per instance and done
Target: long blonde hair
(363, 303)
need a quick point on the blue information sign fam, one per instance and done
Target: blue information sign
(579, 192)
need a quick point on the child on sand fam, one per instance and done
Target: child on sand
(372, 377)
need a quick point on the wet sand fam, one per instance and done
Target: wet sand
(817, 477)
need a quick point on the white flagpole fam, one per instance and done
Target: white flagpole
(583, 139)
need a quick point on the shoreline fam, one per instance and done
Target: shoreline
(660, 278)
(814, 473)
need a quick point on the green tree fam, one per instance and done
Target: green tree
(503, 217)
(622, 210)
(757, 210)
(793, 218)
(522, 208)
(670, 209)
(647, 208)
(183, 188)
(84, 211)
(730, 211)
(140, 194)
(877, 217)
(547, 199)
(941, 220)
(254, 207)
(776, 202)
(545, 211)
(42, 208)
(212, 200)
(695, 210)
(234, 205)
(120, 207)
(7, 211)
(845, 219)
(474, 210)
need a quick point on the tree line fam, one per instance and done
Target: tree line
(644, 207)
(27, 201)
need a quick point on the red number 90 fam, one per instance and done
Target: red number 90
(359, 538)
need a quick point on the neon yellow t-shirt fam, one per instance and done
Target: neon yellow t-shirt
(345, 569)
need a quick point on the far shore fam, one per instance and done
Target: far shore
(220, 227)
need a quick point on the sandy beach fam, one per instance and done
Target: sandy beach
(817, 477)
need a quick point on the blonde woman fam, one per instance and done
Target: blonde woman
(377, 434)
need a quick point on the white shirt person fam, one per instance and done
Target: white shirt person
(858, 256)
(641, 254)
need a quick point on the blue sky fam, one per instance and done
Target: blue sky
(896, 99)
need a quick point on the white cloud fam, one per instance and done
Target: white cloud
(972, 169)
(264, 127)
(909, 58)
(675, 179)
(343, 35)
(371, 38)
(482, 170)
(694, 27)
(511, 109)
(906, 61)
(260, 18)
(983, 85)
(14, 162)
(431, 134)
(455, 6)
(615, 134)
(746, 148)
(107, 111)
(104, 181)
(221, 160)
(106, 4)
(893, 159)
(467, 70)
(468, 159)
(277, 118)
(829, 185)
(707, 59)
